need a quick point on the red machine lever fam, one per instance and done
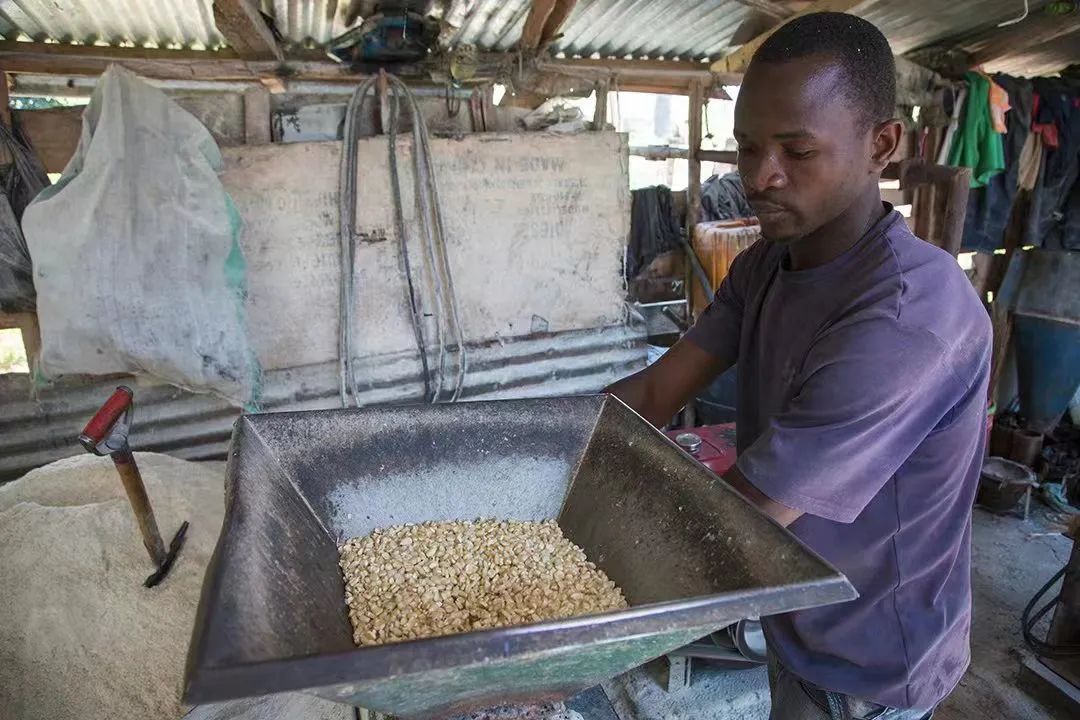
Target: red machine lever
(104, 419)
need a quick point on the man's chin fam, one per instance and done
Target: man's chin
(779, 232)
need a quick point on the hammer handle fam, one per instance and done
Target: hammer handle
(101, 424)
(140, 503)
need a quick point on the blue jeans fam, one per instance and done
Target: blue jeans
(796, 699)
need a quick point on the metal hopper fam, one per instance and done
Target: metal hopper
(689, 553)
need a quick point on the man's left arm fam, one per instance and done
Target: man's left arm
(868, 395)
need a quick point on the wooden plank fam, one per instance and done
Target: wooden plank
(5, 114)
(534, 24)
(731, 157)
(737, 60)
(543, 22)
(257, 116)
(222, 65)
(555, 20)
(245, 30)
(659, 152)
(53, 133)
(693, 176)
(665, 152)
(683, 71)
(5, 101)
(693, 186)
(956, 194)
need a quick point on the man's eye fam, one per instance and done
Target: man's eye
(799, 154)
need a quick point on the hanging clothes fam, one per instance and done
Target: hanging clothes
(989, 206)
(723, 198)
(1030, 162)
(976, 145)
(1056, 214)
(999, 105)
(954, 125)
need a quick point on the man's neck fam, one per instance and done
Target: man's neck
(839, 235)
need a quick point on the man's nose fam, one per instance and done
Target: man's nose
(762, 173)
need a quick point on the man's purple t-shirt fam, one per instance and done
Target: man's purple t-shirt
(862, 402)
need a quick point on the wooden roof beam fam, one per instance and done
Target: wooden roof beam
(245, 29)
(543, 22)
(158, 64)
(738, 60)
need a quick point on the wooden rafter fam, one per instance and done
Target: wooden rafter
(659, 76)
(220, 66)
(543, 22)
(245, 29)
(737, 60)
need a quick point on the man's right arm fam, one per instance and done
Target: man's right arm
(709, 348)
(663, 388)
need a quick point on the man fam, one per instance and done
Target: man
(863, 358)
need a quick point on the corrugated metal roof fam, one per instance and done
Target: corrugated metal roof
(609, 28)
(912, 24)
(160, 23)
(307, 22)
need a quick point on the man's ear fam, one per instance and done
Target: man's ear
(885, 142)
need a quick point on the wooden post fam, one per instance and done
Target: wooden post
(693, 208)
(956, 199)
(5, 101)
(600, 113)
(5, 114)
(693, 166)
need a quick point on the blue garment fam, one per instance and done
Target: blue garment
(862, 403)
(1053, 211)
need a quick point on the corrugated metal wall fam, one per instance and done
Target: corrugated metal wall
(35, 431)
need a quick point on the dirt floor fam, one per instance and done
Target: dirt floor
(1011, 559)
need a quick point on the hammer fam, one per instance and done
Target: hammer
(107, 434)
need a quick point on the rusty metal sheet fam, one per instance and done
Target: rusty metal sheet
(38, 427)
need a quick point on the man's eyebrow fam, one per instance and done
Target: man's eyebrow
(794, 135)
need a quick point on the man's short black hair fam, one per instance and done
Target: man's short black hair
(862, 52)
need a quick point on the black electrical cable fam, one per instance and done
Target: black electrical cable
(1029, 621)
(399, 222)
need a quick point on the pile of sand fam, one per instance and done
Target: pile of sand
(79, 634)
(80, 637)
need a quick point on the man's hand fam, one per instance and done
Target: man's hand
(662, 389)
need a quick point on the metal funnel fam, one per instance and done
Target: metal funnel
(689, 553)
